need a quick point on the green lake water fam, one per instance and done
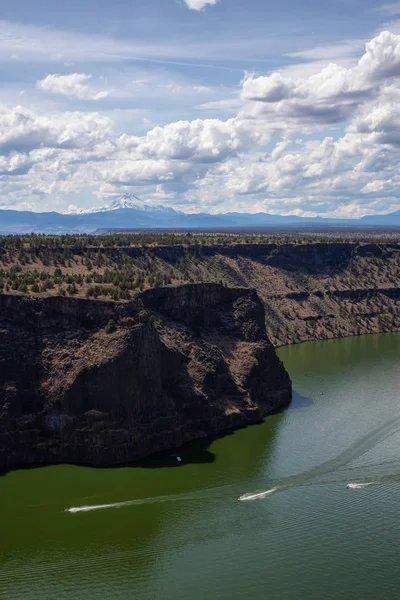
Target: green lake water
(168, 531)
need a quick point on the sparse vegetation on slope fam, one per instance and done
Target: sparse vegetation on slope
(311, 289)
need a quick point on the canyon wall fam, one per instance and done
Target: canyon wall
(311, 290)
(101, 382)
(104, 383)
(318, 291)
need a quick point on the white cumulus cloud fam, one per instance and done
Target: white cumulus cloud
(199, 4)
(74, 84)
(332, 95)
(326, 143)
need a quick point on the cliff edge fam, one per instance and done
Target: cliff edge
(99, 383)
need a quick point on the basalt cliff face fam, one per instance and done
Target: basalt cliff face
(175, 364)
(318, 291)
(311, 291)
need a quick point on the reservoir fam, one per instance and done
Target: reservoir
(163, 529)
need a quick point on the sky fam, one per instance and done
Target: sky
(285, 107)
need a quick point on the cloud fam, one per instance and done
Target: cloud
(199, 4)
(34, 43)
(330, 52)
(333, 95)
(201, 89)
(201, 140)
(382, 57)
(326, 143)
(376, 185)
(74, 84)
(23, 130)
(230, 105)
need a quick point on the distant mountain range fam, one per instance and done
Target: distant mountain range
(128, 212)
(127, 201)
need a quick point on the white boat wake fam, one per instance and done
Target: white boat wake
(258, 496)
(77, 509)
(198, 495)
(356, 486)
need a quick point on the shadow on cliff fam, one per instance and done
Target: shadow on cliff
(198, 452)
(194, 452)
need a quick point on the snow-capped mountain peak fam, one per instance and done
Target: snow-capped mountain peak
(127, 201)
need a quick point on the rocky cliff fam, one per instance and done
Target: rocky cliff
(317, 291)
(312, 290)
(101, 383)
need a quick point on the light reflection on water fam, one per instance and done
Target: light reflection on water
(158, 530)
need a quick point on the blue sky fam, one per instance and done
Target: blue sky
(211, 105)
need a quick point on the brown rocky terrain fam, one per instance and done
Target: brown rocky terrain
(106, 383)
(311, 289)
(315, 291)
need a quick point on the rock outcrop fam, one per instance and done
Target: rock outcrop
(311, 290)
(100, 383)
